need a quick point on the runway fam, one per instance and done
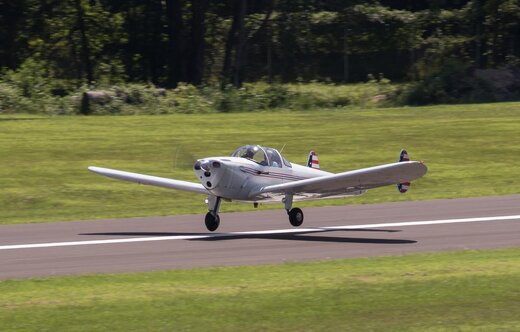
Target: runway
(258, 237)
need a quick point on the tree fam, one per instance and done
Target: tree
(85, 47)
(237, 39)
(175, 42)
(195, 63)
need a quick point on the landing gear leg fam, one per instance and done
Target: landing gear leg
(212, 219)
(295, 214)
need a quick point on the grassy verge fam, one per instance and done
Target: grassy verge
(462, 291)
(132, 99)
(471, 150)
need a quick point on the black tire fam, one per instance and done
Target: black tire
(296, 217)
(212, 222)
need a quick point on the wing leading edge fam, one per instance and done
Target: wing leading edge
(361, 179)
(150, 180)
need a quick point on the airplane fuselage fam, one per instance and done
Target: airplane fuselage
(237, 179)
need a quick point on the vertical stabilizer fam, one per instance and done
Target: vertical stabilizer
(403, 156)
(312, 161)
(403, 187)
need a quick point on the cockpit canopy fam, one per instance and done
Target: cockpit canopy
(262, 155)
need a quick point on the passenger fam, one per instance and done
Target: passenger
(272, 156)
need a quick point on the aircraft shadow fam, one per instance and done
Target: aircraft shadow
(139, 234)
(309, 238)
(303, 236)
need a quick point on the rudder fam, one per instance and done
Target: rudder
(312, 160)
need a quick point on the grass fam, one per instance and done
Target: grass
(459, 291)
(471, 150)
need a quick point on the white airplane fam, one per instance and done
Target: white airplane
(256, 174)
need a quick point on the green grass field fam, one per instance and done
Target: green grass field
(461, 291)
(471, 150)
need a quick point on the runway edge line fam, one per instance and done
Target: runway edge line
(275, 231)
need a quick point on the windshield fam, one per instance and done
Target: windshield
(252, 152)
(262, 155)
(274, 157)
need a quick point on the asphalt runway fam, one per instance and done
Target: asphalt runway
(258, 237)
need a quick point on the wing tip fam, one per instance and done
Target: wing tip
(97, 170)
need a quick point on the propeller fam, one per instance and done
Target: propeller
(182, 158)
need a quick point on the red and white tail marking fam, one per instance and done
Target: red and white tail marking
(312, 161)
(403, 156)
(403, 187)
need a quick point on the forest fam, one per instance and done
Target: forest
(412, 52)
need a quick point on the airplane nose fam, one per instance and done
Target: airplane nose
(216, 174)
(209, 172)
(206, 165)
(202, 165)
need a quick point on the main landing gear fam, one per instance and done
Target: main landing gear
(212, 219)
(295, 214)
(295, 217)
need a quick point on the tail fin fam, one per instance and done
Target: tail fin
(403, 156)
(403, 187)
(312, 161)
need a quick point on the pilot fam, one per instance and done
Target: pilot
(250, 152)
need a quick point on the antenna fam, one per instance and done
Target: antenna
(283, 147)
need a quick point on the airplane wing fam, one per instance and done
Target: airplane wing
(150, 180)
(352, 181)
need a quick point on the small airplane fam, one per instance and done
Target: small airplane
(256, 174)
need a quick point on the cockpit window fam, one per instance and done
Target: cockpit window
(252, 152)
(262, 155)
(274, 157)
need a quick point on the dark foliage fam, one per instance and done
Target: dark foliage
(99, 43)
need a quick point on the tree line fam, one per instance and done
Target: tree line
(228, 42)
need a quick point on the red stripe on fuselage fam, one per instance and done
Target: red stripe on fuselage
(281, 176)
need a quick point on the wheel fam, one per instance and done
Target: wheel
(296, 217)
(212, 221)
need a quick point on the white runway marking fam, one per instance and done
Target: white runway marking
(266, 232)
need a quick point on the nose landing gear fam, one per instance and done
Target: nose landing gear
(212, 219)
